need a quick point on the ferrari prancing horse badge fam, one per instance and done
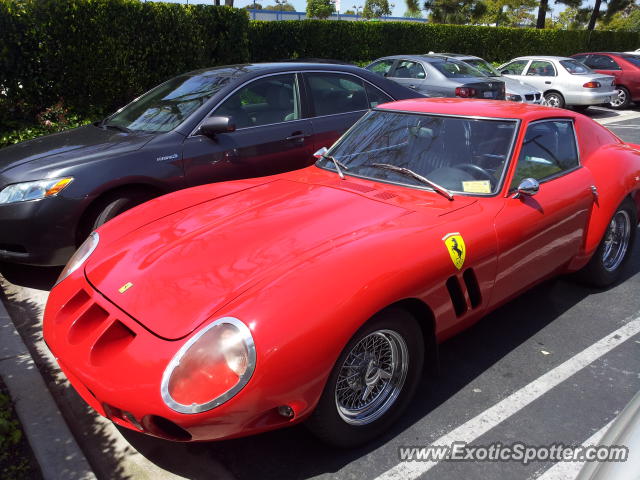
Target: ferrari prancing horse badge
(456, 247)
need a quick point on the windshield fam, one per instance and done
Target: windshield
(466, 155)
(453, 69)
(575, 67)
(484, 66)
(168, 105)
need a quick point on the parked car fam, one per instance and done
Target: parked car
(515, 90)
(624, 67)
(205, 126)
(435, 76)
(317, 295)
(563, 80)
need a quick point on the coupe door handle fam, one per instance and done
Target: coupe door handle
(300, 136)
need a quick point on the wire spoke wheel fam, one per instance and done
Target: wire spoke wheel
(616, 241)
(371, 377)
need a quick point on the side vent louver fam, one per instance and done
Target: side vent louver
(457, 297)
(470, 280)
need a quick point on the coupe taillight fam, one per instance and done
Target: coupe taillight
(592, 85)
(465, 92)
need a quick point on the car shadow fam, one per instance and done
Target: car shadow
(294, 454)
(40, 278)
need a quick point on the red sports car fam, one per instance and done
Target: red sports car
(320, 295)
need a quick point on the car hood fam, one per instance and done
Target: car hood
(86, 141)
(186, 266)
(516, 86)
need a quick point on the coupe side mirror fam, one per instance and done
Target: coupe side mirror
(217, 124)
(528, 187)
(320, 153)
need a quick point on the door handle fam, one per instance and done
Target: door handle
(299, 136)
(548, 82)
(412, 86)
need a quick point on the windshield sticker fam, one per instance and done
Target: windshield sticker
(476, 186)
(456, 247)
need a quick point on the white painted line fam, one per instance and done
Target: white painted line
(629, 115)
(515, 402)
(564, 470)
(624, 126)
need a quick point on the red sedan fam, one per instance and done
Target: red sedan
(624, 66)
(320, 295)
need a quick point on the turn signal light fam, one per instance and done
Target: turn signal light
(592, 85)
(465, 92)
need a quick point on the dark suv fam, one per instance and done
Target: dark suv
(206, 126)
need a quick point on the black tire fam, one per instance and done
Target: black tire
(622, 100)
(554, 99)
(599, 272)
(109, 207)
(328, 421)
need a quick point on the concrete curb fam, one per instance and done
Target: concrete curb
(55, 449)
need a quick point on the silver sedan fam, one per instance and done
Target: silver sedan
(563, 80)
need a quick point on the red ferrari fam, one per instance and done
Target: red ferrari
(320, 295)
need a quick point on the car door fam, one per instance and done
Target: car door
(539, 234)
(515, 69)
(542, 74)
(271, 136)
(337, 100)
(410, 74)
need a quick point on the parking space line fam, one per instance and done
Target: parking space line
(564, 470)
(518, 400)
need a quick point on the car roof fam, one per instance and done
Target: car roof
(239, 70)
(458, 56)
(466, 107)
(541, 57)
(415, 56)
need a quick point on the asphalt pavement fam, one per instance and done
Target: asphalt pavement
(555, 365)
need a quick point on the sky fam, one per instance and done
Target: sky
(301, 5)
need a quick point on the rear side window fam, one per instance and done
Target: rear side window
(549, 148)
(575, 67)
(457, 70)
(541, 68)
(333, 93)
(381, 68)
(408, 69)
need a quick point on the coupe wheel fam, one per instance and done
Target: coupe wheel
(554, 99)
(615, 248)
(372, 382)
(622, 98)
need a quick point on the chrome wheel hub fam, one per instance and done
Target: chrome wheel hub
(619, 99)
(552, 101)
(371, 377)
(616, 241)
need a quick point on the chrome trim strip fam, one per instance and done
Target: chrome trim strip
(247, 338)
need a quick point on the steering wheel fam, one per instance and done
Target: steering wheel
(474, 169)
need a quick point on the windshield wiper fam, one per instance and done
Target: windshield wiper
(116, 127)
(410, 173)
(337, 163)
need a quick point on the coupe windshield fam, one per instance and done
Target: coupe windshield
(484, 66)
(166, 106)
(460, 154)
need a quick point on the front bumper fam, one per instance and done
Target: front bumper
(116, 366)
(38, 232)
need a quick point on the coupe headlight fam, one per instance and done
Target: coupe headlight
(81, 255)
(21, 192)
(210, 368)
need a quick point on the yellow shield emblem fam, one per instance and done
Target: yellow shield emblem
(456, 247)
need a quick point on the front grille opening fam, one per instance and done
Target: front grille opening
(165, 428)
(471, 281)
(113, 341)
(72, 306)
(87, 323)
(457, 297)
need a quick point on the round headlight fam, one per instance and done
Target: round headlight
(81, 255)
(210, 368)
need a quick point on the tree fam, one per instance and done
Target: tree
(376, 9)
(283, 7)
(413, 6)
(613, 7)
(349, 12)
(414, 14)
(508, 13)
(544, 9)
(319, 8)
(458, 12)
(254, 6)
(627, 20)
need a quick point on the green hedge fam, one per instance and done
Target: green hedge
(99, 54)
(96, 55)
(359, 41)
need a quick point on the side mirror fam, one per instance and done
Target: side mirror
(320, 153)
(217, 124)
(506, 71)
(528, 187)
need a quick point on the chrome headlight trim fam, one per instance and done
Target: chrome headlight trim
(80, 257)
(247, 338)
